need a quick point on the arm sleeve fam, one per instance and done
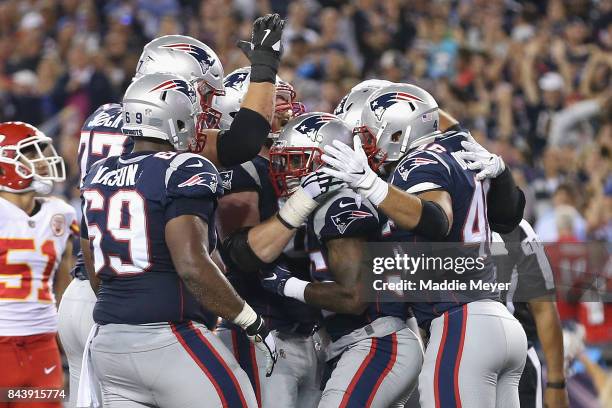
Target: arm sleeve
(505, 203)
(244, 139)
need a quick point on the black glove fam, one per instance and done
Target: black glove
(261, 337)
(265, 49)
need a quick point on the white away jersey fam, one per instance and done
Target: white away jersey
(31, 250)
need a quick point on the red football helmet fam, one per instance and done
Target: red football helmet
(28, 160)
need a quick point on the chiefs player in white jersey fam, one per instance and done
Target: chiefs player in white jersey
(35, 258)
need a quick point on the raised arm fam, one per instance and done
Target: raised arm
(251, 125)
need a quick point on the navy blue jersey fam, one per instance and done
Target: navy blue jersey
(281, 313)
(345, 215)
(434, 167)
(101, 137)
(128, 201)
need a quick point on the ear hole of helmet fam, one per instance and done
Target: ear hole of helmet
(395, 137)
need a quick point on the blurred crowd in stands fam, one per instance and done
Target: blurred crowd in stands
(532, 80)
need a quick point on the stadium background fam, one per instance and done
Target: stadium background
(531, 80)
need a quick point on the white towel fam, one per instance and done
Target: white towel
(88, 382)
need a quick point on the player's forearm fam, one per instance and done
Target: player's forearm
(269, 239)
(62, 277)
(550, 335)
(260, 98)
(430, 214)
(210, 288)
(94, 282)
(403, 208)
(334, 297)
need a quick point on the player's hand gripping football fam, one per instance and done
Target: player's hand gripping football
(263, 339)
(265, 48)
(489, 164)
(351, 166)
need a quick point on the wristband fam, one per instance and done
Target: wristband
(297, 208)
(559, 385)
(246, 317)
(295, 288)
(285, 223)
(264, 65)
(377, 191)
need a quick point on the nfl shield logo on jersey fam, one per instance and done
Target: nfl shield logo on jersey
(58, 224)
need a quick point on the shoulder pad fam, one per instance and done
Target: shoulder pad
(421, 171)
(345, 214)
(106, 117)
(63, 216)
(243, 177)
(191, 175)
(94, 168)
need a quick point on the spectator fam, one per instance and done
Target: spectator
(83, 86)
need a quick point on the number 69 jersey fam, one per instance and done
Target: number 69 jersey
(31, 250)
(127, 202)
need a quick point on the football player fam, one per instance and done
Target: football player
(101, 137)
(248, 200)
(476, 349)
(374, 357)
(150, 222)
(35, 258)
(520, 258)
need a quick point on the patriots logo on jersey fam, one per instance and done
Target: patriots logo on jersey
(344, 219)
(204, 58)
(235, 80)
(385, 101)
(340, 108)
(311, 125)
(205, 179)
(226, 179)
(407, 168)
(178, 85)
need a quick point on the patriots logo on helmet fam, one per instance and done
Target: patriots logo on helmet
(226, 179)
(311, 125)
(340, 108)
(344, 219)
(178, 85)
(235, 80)
(205, 179)
(385, 101)
(200, 54)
